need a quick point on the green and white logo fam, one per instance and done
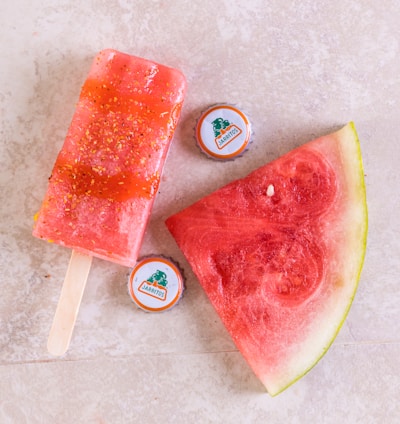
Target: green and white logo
(224, 132)
(155, 285)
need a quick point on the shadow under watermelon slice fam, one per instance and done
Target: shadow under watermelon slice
(279, 254)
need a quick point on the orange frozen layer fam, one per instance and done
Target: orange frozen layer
(107, 173)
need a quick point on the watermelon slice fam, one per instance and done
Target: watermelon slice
(279, 254)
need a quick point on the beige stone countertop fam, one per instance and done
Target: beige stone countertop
(299, 69)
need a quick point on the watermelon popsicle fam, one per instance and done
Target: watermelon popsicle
(106, 176)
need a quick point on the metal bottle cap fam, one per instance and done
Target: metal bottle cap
(223, 132)
(155, 284)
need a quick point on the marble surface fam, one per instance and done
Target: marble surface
(299, 69)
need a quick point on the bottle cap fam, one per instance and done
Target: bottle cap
(223, 132)
(155, 284)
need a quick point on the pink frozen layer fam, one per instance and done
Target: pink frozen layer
(107, 173)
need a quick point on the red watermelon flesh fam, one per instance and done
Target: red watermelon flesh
(107, 173)
(279, 254)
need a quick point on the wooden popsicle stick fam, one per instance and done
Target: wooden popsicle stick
(69, 302)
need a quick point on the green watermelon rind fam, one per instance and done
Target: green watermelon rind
(351, 153)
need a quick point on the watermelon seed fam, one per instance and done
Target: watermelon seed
(270, 190)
